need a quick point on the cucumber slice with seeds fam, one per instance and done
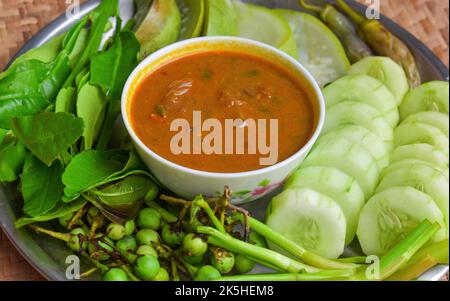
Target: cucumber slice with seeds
(192, 18)
(316, 222)
(409, 163)
(365, 89)
(431, 96)
(358, 134)
(386, 71)
(337, 185)
(420, 151)
(350, 158)
(412, 133)
(389, 216)
(319, 50)
(220, 18)
(265, 25)
(356, 113)
(423, 178)
(436, 119)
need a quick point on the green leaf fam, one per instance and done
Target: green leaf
(122, 200)
(91, 104)
(41, 186)
(57, 75)
(99, 18)
(126, 191)
(60, 210)
(20, 92)
(111, 68)
(89, 169)
(48, 134)
(46, 53)
(66, 100)
(12, 156)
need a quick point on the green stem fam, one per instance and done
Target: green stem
(398, 256)
(275, 259)
(166, 215)
(311, 7)
(357, 259)
(112, 112)
(296, 250)
(319, 276)
(414, 270)
(422, 261)
(103, 268)
(130, 273)
(355, 16)
(200, 202)
(192, 270)
(61, 236)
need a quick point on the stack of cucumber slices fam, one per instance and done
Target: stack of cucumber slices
(362, 155)
(415, 186)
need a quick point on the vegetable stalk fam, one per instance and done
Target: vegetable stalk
(398, 256)
(264, 255)
(296, 250)
(319, 276)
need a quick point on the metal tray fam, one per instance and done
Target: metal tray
(48, 255)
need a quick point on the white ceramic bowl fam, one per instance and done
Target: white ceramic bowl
(187, 182)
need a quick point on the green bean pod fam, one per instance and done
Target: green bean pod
(383, 42)
(355, 47)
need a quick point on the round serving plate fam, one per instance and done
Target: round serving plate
(48, 256)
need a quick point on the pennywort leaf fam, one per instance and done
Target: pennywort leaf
(48, 134)
(42, 187)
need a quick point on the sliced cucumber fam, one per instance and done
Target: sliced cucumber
(319, 50)
(420, 151)
(423, 178)
(367, 139)
(388, 217)
(337, 185)
(350, 158)
(316, 222)
(192, 18)
(357, 113)
(365, 89)
(386, 71)
(412, 133)
(265, 25)
(408, 163)
(431, 96)
(436, 119)
(220, 18)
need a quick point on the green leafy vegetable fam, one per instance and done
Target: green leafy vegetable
(41, 186)
(221, 18)
(66, 100)
(12, 156)
(91, 105)
(111, 69)
(20, 91)
(93, 168)
(61, 209)
(121, 201)
(48, 134)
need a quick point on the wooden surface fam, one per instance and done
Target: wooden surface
(428, 20)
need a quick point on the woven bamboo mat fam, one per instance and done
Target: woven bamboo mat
(428, 20)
